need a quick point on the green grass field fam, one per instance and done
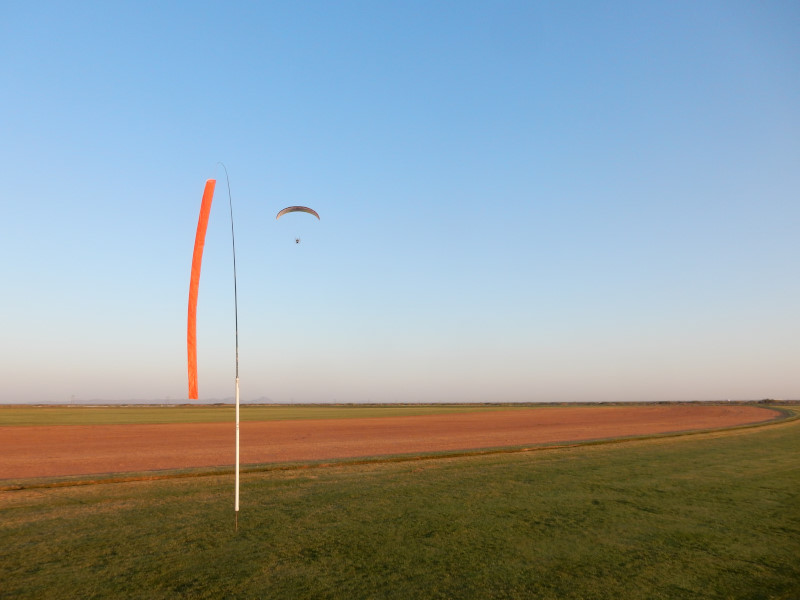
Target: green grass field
(128, 415)
(712, 515)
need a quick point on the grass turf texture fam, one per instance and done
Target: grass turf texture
(146, 415)
(713, 515)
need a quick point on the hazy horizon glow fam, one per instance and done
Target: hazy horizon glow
(518, 201)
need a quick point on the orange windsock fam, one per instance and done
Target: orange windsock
(194, 284)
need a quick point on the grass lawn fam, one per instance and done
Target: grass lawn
(714, 515)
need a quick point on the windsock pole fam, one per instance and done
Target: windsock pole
(236, 328)
(191, 337)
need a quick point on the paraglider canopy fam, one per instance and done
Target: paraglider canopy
(304, 209)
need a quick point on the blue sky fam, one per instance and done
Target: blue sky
(520, 201)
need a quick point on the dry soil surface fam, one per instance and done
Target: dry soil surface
(29, 452)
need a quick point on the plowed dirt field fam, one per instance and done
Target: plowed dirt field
(35, 451)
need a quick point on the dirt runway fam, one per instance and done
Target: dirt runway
(29, 452)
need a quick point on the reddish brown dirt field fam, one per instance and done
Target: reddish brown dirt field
(29, 452)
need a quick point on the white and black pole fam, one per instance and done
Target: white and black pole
(236, 329)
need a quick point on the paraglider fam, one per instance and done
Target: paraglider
(291, 209)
